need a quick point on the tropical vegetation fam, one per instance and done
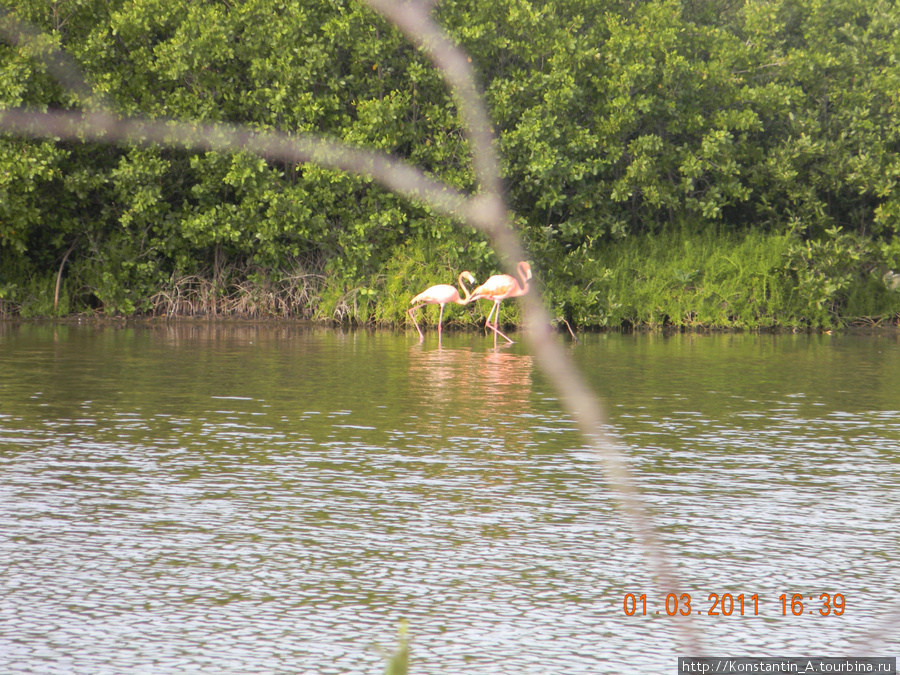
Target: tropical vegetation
(698, 163)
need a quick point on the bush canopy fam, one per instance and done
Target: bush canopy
(686, 163)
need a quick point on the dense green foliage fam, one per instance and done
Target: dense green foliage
(696, 163)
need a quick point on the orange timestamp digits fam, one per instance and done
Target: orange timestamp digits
(831, 604)
(718, 605)
(728, 604)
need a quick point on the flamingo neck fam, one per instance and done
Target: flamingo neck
(467, 293)
(524, 287)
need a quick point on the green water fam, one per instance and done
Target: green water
(250, 498)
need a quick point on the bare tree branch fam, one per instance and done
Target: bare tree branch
(58, 63)
(415, 19)
(485, 211)
(304, 148)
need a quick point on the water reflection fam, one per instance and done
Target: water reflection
(472, 407)
(499, 382)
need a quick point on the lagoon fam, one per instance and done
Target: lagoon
(247, 498)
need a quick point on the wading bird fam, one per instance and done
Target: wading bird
(500, 287)
(441, 295)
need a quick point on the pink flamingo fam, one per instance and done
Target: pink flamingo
(500, 287)
(441, 295)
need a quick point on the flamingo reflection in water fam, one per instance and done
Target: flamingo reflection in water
(453, 388)
(498, 288)
(441, 294)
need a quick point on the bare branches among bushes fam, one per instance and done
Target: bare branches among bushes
(252, 295)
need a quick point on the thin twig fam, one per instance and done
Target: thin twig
(485, 211)
(584, 406)
(59, 274)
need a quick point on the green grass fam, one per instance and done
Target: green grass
(698, 277)
(704, 278)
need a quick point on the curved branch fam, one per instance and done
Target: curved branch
(393, 174)
(59, 274)
(485, 211)
(414, 18)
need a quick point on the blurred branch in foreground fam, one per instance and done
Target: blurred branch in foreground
(485, 211)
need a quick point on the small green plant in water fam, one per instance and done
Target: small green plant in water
(399, 663)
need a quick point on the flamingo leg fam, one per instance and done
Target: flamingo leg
(487, 321)
(441, 318)
(495, 326)
(500, 333)
(415, 323)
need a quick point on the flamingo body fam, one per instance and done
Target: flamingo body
(500, 287)
(437, 295)
(441, 294)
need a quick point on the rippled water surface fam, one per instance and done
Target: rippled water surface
(235, 498)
